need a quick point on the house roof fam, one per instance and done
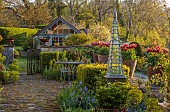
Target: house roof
(55, 21)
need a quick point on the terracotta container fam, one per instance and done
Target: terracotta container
(132, 65)
(151, 71)
(95, 58)
(103, 58)
(10, 41)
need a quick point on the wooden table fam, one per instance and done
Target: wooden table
(69, 68)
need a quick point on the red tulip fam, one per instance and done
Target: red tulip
(148, 49)
(125, 45)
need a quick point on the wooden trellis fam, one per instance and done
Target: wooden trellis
(33, 61)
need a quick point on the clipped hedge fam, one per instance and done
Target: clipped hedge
(19, 34)
(88, 73)
(45, 58)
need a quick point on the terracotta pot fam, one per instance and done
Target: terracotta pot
(151, 71)
(95, 58)
(10, 41)
(103, 58)
(132, 65)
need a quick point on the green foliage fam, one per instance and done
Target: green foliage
(4, 76)
(1, 48)
(52, 74)
(45, 58)
(27, 44)
(9, 76)
(151, 38)
(128, 51)
(13, 66)
(2, 59)
(75, 97)
(101, 50)
(129, 55)
(19, 39)
(151, 104)
(78, 39)
(14, 75)
(134, 97)
(90, 73)
(87, 74)
(79, 54)
(19, 34)
(54, 71)
(112, 96)
(157, 56)
(138, 49)
(16, 53)
(141, 63)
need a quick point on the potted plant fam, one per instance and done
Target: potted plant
(10, 40)
(129, 56)
(101, 49)
(156, 57)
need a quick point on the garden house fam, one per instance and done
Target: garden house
(54, 32)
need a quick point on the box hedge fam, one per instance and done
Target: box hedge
(19, 34)
(88, 73)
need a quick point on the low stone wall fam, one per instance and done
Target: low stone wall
(9, 53)
(59, 48)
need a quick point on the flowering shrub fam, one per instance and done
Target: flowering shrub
(101, 48)
(77, 96)
(156, 55)
(128, 51)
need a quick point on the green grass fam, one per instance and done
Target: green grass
(22, 63)
(19, 48)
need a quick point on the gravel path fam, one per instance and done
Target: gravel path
(31, 93)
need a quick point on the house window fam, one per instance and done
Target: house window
(57, 41)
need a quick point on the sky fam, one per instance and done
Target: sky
(168, 3)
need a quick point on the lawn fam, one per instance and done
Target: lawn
(19, 48)
(22, 63)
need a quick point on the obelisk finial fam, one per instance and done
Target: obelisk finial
(115, 14)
